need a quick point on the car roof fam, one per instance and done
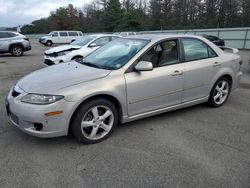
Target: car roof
(105, 35)
(156, 37)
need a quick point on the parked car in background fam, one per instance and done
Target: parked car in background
(60, 37)
(77, 50)
(14, 43)
(125, 80)
(217, 41)
(125, 33)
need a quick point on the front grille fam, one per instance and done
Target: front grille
(15, 93)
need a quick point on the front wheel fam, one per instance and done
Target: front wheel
(48, 43)
(220, 92)
(94, 121)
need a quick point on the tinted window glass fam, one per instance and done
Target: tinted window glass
(162, 54)
(73, 34)
(12, 34)
(4, 35)
(116, 53)
(195, 49)
(63, 34)
(101, 41)
(83, 40)
(55, 34)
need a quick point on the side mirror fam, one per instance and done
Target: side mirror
(92, 45)
(144, 66)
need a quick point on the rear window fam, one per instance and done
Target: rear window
(63, 34)
(73, 34)
(4, 35)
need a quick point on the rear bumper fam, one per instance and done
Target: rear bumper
(237, 80)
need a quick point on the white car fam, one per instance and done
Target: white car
(77, 50)
(60, 37)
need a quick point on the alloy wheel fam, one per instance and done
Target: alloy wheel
(221, 92)
(97, 122)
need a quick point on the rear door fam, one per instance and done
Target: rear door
(201, 65)
(5, 41)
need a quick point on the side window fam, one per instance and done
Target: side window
(55, 34)
(73, 34)
(4, 35)
(162, 54)
(101, 41)
(12, 34)
(195, 49)
(63, 34)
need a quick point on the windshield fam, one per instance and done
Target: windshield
(50, 34)
(115, 54)
(83, 40)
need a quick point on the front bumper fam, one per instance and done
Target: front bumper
(54, 60)
(27, 116)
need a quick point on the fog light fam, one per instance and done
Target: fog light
(38, 126)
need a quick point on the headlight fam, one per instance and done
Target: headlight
(41, 99)
(63, 53)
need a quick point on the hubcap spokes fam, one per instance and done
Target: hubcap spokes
(17, 51)
(221, 92)
(97, 122)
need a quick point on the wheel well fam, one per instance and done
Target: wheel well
(16, 44)
(103, 96)
(229, 78)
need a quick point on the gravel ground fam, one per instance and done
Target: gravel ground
(192, 147)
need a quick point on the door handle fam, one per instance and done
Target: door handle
(177, 73)
(216, 64)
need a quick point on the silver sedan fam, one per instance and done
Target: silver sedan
(125, 80)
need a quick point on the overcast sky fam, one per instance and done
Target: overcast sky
(15, 12)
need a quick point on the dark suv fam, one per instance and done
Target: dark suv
(14, 43)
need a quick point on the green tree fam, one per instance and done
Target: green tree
(113, 15)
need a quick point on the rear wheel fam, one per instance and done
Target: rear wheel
(220, 92)
(94, 121)
(17, 50)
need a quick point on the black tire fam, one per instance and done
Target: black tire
(49, 43)
(83, 112)
(17, 50)
(212, 102)
(77, 58)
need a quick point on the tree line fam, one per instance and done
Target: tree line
(135, 15)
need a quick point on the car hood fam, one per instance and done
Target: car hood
(51, 79)
(62, 48)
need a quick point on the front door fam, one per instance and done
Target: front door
(162, 87)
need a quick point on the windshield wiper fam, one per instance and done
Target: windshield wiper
(91, 65)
